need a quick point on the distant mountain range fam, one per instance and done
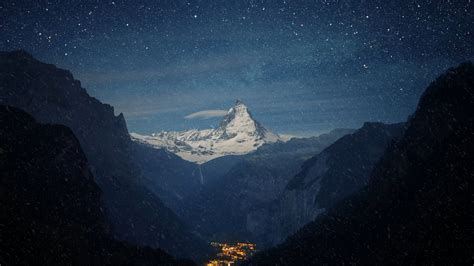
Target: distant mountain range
(236, 185)
(238, 133)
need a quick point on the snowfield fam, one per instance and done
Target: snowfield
(238, 133)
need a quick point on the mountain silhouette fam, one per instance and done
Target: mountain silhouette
(416, 208)
(52, 95)
(51, 205)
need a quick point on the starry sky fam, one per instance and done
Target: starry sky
(302, 67)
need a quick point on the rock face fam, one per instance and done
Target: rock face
(50, 203)
(168, 176)
(238, 133)
(220, 210)
(417, 206)
(338, 171)
(51, 95)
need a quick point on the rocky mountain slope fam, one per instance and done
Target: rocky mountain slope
(338, 171)
(168, 176)
(52, 95)
(51, 212)
(220, 210)
(417, 206)
(238, 133)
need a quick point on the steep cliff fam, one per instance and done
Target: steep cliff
(50, 205)
(417, 206)
(52, 95)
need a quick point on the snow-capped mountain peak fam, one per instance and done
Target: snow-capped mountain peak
(239, 121)
(238, 133)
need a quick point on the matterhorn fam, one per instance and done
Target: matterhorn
(238, 133)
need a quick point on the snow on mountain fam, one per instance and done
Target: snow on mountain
(238, 133)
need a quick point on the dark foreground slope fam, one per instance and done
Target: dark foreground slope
(50, 205)
(52, 95)
(417, 207)
(168, 176)
(337, 172)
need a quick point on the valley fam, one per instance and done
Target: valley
(236, 133)
(231, 196)
(230, 254)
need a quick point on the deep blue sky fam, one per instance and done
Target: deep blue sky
(303, 67)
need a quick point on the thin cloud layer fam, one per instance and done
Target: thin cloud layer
(206, 114)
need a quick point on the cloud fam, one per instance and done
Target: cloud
(206, 114)
(205, 66)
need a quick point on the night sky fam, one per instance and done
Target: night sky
(302, 67)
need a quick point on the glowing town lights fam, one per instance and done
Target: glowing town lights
(231, 253)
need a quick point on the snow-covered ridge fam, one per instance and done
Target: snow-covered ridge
(238, 133)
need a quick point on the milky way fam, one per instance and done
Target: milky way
(302, 67)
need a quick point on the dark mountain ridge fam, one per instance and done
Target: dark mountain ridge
(52, 95)
(335, 173)
(51, 210)
(417, 206)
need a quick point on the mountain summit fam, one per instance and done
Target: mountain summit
(238, 133)
(239, 121)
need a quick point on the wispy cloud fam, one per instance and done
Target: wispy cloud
(206, 114)
(203, 66)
